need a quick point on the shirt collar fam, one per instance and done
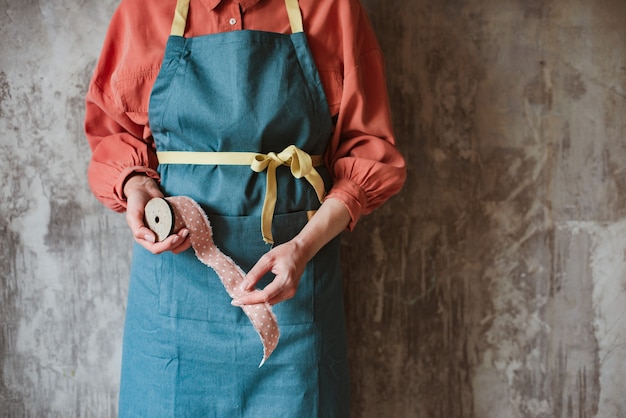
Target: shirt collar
(245, 4)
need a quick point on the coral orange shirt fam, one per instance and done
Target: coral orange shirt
(366, 166)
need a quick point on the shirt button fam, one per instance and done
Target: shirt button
(232, 21)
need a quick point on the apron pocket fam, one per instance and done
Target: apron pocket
(190, 290)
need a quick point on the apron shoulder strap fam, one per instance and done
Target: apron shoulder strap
(182, 9)
(295, 16)
(180, 18)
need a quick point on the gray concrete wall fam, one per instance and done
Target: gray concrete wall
(492, 286)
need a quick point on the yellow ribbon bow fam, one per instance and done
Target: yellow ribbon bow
(301, 165)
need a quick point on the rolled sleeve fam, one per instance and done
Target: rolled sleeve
(120, 148)
(366, 165)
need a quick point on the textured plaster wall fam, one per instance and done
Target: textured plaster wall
(63, 259)
(492, 286)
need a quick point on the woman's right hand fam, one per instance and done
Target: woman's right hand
(139, 189)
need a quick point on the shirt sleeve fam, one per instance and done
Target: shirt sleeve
(119, 149)
(366, 166)
(116, 112)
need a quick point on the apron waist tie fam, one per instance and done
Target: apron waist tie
(300, 163)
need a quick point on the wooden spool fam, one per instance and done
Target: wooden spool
(159, 217)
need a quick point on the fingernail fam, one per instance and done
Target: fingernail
(235, 302)
(149, 237)
(175, 239)
(185, 233)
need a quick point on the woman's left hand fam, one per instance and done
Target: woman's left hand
(287, 262)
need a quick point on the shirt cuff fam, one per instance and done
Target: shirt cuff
(353, 196)
(128, 172)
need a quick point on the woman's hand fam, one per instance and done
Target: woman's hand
(288, 261)
(139, 190)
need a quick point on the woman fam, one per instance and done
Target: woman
(210, 77)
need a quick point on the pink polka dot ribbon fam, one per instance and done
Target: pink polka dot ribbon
(174, 213)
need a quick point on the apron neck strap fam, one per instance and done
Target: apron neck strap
(180, 18)
(295, 16)
(182, 9)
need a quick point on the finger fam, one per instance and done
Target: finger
(271, 292)
(277, 299)
(252, 298)
(145, 234)
(135, 221)
(258, 297)
(184, 243)
(168, 244)
(182, 248)
(285, 293)
(263, 266)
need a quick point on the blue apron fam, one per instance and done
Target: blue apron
(187, 352)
